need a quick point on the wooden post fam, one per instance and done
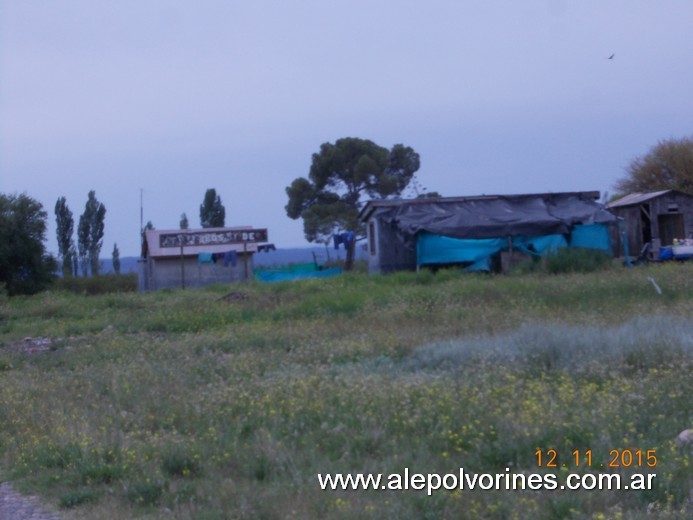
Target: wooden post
(182, 265)
(245, 259)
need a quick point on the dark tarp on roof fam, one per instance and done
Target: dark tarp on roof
(498, 216)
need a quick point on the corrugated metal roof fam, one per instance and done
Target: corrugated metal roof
(636, 198)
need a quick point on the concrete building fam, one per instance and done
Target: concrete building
(198, 257)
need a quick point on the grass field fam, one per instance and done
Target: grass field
(227, 402)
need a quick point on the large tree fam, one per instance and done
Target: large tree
(25, 267)
(90, 233)
(64, 231)
(341, 177)
(668, 165)
(212, 211)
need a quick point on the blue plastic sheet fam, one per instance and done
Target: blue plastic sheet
(539, 246)
(591, 236)
(432, 249)
(283, 276)
(666, 253)
(437, 249)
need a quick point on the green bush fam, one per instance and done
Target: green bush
(97, 472)
(77, 498)
(179, 461)
(145, 493)
(102, 284)
(565, 260)
(576, 261)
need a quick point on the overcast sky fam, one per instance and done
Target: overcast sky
(174, 97)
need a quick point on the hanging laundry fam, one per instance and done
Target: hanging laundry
(346, 238)
(230, 257)
(205, 258)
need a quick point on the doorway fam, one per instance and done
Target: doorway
(671, 226)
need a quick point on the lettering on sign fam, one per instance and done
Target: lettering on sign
(211, 238)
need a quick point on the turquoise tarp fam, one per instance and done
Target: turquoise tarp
(293, 268)
(539, 246)
(591, 236)
(434, 249)
(281, 275)
(437, 249)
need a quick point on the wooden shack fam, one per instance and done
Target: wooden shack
(655, 218)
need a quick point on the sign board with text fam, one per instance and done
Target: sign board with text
(211, 238)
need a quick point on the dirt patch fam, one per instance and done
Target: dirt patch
(37, 345)
(235, 296)
(255, 301)
(16, 506)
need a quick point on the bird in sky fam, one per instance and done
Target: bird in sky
(611, 57)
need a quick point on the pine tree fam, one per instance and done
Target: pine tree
(212, 211)
(342, 175)
(184, 221)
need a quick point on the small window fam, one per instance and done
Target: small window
(371, 237)
(673, 208)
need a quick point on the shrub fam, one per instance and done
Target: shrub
(76, 498)
(99, 473)
(102, 284)
(145, 493)
(5, 364)
(178, 461)
(565, 261)
(576, 261)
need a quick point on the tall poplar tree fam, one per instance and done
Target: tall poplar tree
(64, 231)
(116, 258)
(90, 233)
